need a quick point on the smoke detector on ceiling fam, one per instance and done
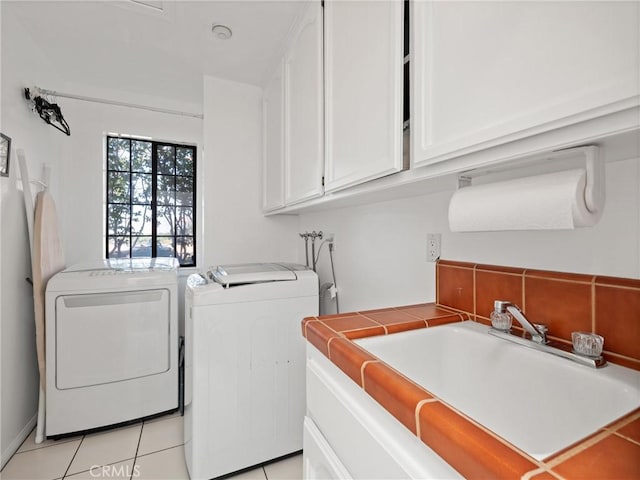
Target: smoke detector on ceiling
(221, 32)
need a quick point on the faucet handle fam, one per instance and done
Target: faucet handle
(500, 306)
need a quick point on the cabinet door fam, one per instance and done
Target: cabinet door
(273, 135)
(363, 90)
(487, 73)
(319, 461)
(304, 155)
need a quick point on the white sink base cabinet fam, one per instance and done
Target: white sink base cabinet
(347, 434)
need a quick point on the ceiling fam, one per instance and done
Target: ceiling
(164, 52)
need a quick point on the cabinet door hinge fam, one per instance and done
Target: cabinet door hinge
(323, 180)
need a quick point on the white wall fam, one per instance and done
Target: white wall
(23, 65)
(231, 226)
(77, 178)
(81, 205)
(235, 231)
(380, 255)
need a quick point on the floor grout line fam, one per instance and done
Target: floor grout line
(138, 449)
(92, 467)
(74, 456)
(158, 451)
(40, 447)
(135, 457)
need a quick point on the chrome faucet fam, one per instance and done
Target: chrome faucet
(538, 334)
(537, 331)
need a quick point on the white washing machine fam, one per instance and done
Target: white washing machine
(111, 343)
(245, 365)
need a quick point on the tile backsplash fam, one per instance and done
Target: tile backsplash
(564, 302)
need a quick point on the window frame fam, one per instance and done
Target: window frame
(154, 173)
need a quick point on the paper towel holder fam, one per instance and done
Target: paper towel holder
(594, 191)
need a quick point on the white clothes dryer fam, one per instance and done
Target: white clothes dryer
(245, 365)
(111, 343)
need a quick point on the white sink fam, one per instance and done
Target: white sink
(536, 401)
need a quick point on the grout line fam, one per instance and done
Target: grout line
(557, 475)
(429, 317)
(74, 456)
(363, 328)
(156, 451)
(618, 434)
(329, 347)
(619, 355)
(491, 434)
(456, 317)
(474, 291)
(563, 280)
(622, 287)
(403, 322)
(338, 334)
(579, 448)
(437, 283)
(328, 326)
(41, 446)
(524, 296)
(454, 311)
(264, 471)
(362, 367)
(419, 406)
(135, 457)
(470, 267)
(621, 423)
(306, 326)
(533, 473)
(386, 332)
(593, 304)
(447, 308)
(498, 272)
(91, 468)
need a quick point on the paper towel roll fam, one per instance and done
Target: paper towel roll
(544, 202)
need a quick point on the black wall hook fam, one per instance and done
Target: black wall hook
(49, 112)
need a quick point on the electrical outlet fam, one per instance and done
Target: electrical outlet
(433, 246)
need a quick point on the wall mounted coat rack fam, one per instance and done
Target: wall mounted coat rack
(49, 112)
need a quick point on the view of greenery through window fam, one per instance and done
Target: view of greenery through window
(150, 200)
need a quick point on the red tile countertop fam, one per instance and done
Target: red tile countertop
(474, 451)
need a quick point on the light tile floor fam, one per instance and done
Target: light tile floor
(150, 450)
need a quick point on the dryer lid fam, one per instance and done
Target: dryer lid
(141, 264)
(229, 275)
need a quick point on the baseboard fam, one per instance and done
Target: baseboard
(13, 447)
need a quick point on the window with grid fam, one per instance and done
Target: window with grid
(151, 208)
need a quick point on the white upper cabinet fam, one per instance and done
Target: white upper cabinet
(273, 141)
(488, 73)
(363, 90)
(304, 153)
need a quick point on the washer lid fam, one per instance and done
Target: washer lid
(228, 275)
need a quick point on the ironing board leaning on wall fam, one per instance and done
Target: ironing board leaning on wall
(47, 259)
